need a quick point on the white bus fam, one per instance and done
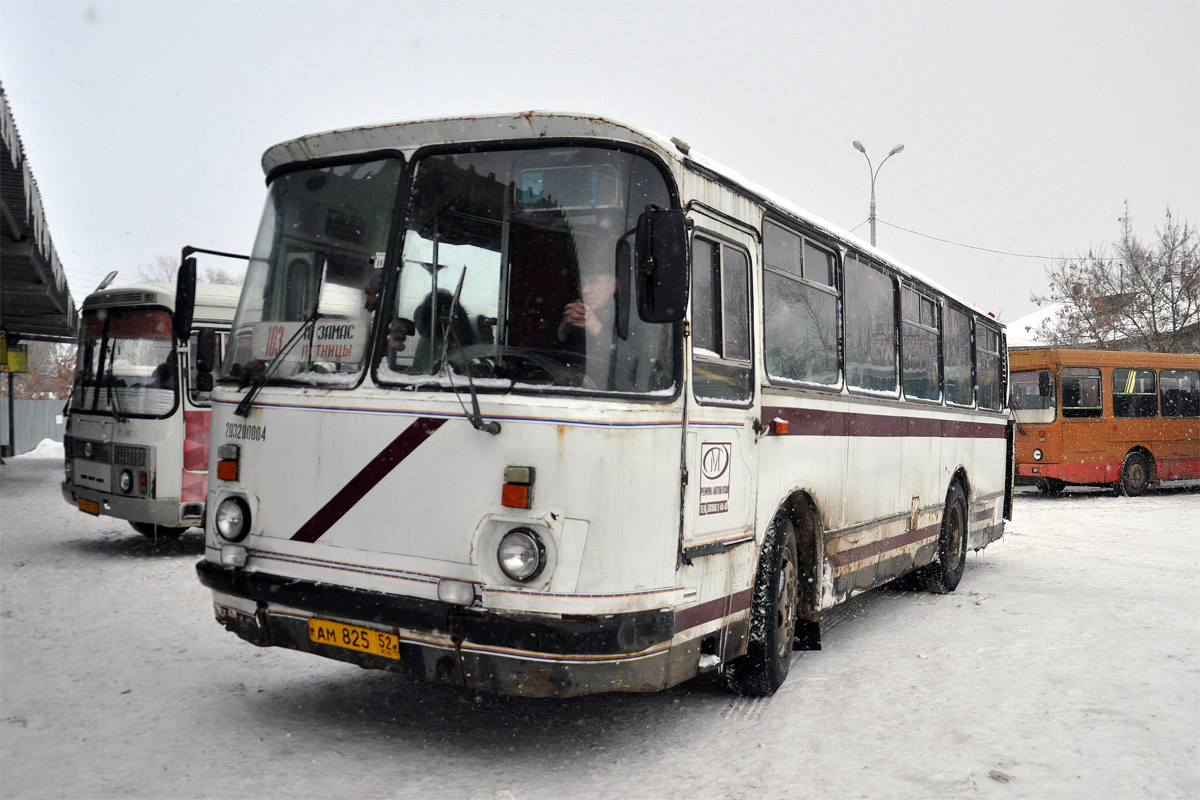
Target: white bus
(546, 405)
(136, 444)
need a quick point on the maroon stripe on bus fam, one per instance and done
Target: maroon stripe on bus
(713, 609)
(817, 422)
(882, 546)
(388, 459)
(980, 516)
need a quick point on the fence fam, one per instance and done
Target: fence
(34, 421)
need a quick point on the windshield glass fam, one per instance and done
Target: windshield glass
(125, 365)
(541, 241)
(318, 259)
(1032, 396)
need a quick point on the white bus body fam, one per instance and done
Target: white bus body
(136, 445)
(549, 492)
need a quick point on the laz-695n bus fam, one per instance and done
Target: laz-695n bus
(1124, 419)
(545, 404)
(136, 444)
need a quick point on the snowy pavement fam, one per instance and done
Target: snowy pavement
(1066, 665)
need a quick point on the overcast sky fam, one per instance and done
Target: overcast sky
(1026, 125)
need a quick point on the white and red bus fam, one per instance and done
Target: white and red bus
(545, 404)
(136, 444)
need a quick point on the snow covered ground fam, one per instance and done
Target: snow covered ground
(1066, 665)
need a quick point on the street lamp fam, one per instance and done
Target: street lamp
(874, 172)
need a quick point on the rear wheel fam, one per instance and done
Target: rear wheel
(943, 575)
(773, 615)
(152, 531)
(1135, 475)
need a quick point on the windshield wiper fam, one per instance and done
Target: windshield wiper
(474, 416)
(114, 399)
(259, 377)
(1016, 419)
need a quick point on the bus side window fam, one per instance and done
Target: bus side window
(1180, 392)
(800, 318)
(720, 321)
(1081, 392)
(1134, 393)
(960, 379)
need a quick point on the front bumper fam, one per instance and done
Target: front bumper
(506, 653)
(164, 512)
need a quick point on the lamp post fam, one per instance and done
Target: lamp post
(874, 172)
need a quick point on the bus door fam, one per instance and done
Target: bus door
(1084, 435)
(721, 400)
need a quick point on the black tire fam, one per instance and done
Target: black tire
(152, 531)
(1051, 485)
(1135, 475)
(943, 575)
(773, 615)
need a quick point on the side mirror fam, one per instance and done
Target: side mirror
(661, 260)
(206, 351)
(185, 297)
(204, 382)
(1045, 387)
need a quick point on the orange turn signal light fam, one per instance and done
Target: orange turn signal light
(516, 495)
(779, 426)
(227, 470)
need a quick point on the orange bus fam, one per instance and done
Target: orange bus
(1103, 417)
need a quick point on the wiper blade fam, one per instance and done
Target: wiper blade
(474, 416)
(258, 380)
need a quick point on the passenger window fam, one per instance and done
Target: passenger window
(870, 312)
(987, 366)
(919, 345)
(1180, 392)
(799, 309)
(1135, 394)
(720, 321)
(1081, 392)
(960, 382)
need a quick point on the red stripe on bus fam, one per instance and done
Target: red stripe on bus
(844, 557)
(713, 609)
(817, 422)
(376, 470)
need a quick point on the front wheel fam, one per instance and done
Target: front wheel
(943, 575)
(773, 614)
(1135, 475)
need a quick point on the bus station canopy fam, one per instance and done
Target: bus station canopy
(35, 301)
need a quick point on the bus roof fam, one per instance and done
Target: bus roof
(214, 302)
(408, 136)
(1045, 358)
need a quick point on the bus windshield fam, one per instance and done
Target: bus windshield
(1033, 398)
(125, 365)
(315, 275)
(517, 270)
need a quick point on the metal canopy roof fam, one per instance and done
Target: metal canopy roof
(35, 301)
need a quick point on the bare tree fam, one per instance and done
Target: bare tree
(51, 366)
(162, 270)
(1144, 297)
(218, 275)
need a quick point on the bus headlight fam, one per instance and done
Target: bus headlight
(521, 554)
(1037, 455)
(126, 481)
(232, 519)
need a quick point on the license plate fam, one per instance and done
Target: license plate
(352, 637)
(88, 506)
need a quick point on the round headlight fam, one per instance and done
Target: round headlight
(1037, 455)
(126, 481)
(521, 554)
(232, 519)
